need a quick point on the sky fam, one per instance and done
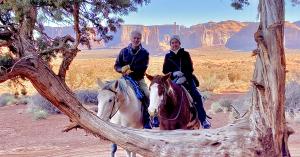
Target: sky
(191, 12)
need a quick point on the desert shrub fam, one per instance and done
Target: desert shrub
(221, 76)
(216, 107)
(234, 76)
(205, 95)
(24, 91)
(87, 96)
(39, 102)
(37, 112)
(226, 104)
(23, 100)
(209, 82)
(7, 99)
(78, 78)
(292, 98)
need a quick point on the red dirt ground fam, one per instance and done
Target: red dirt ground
(20, 136)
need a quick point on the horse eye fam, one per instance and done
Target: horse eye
(109, 100)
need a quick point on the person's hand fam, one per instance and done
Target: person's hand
(126, 70)
(177, 74)
(180, 80)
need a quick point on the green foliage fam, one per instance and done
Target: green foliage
(96, 19)
(239, 4)
(295, 2)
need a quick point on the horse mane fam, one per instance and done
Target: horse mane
(122, 86)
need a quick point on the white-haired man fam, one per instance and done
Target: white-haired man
(133, 61)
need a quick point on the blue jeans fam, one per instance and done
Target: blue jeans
(191, 87)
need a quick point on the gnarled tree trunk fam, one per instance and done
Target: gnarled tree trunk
(262, 132)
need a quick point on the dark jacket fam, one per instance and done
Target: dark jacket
(138, 61)
(179, 62)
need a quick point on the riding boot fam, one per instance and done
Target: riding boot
(155, 121)
(146, 119)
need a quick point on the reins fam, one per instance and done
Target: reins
(112, 109)
(179, 110)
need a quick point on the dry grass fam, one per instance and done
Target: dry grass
(218, 69)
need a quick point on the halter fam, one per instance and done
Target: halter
(179, 110)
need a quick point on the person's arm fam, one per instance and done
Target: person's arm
(119, 62)
(189, 67)
(166, 66)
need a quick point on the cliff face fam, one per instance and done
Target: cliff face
(157, 37)
(292, 36)
(215, 34)
(232, 34)
(244, 40)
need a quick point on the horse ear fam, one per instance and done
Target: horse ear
(100, 83)
(167, 76)
(149, 76)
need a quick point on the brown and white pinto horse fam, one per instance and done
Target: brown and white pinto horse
(171, 103)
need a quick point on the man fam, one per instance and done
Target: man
(133, 62)
(179, 63)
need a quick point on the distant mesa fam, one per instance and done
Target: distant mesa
(231, 34)
(297, 23)
(243, 40)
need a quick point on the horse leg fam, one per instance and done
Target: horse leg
(128, 153)
(114, 148)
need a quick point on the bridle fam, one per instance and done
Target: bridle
(179, 110)
(112, 112)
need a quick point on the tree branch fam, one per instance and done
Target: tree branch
(76, 24)
(68, 56)
(61, 46)
(8, 76)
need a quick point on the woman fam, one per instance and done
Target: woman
(179, 63)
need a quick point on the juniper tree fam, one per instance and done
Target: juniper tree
(261, 132)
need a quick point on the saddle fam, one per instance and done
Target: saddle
(194, 122)
(135, 86)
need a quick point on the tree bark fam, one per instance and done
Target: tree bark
(262, 132)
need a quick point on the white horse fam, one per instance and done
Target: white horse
(118, 103)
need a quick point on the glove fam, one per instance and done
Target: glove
(180, 80)
(126, 69)
(177, 74)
